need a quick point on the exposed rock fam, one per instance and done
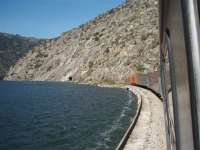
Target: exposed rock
(109, 48)
(13, 47)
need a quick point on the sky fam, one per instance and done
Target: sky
(49, 18)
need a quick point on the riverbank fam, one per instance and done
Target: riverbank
(149, 129)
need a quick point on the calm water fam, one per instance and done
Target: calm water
(63, 116)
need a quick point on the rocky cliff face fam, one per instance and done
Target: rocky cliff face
(109, 48)
(13, 47)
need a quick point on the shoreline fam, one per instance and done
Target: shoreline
(98, 84)
(149, 129)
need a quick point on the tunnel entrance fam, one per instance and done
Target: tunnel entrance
(70, 78)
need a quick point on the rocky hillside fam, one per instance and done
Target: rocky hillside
(13, 47)
(109, 48)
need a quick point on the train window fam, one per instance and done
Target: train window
(198, 5)
(167, 93)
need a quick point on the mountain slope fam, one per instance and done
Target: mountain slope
(109, 48)
(13, 47)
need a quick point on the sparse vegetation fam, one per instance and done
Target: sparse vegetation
(13, 47)
(140, 68)
(113, 45)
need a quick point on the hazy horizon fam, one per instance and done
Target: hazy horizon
(48, 19)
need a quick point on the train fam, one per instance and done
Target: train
(180, 72)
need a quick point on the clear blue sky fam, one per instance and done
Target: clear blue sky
(49, 18)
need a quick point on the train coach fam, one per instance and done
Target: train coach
(180, 72)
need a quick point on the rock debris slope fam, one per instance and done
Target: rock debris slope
(109, 48)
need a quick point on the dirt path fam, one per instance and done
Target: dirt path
(149, 132)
